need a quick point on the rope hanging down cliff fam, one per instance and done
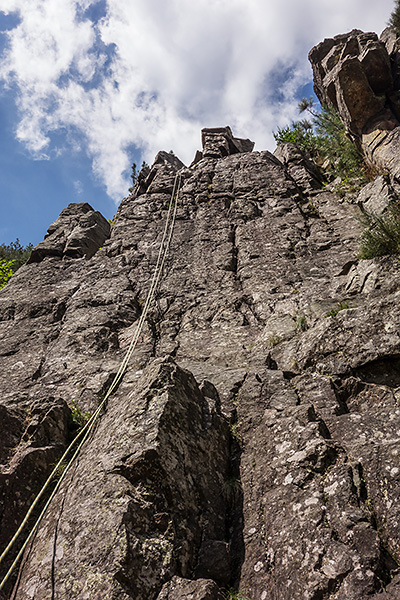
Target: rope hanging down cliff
(86, 430)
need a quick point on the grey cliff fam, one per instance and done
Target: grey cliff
(253, 443)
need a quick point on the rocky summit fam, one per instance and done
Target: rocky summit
(359, 75)
(251, 449)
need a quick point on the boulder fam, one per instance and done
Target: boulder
(359, 75)
(78, 232)
(219, 141)
(352, 72)
(165, 455)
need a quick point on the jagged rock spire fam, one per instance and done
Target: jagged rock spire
(359, 75)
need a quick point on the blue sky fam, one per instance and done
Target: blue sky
(89, 86)
(33, 192)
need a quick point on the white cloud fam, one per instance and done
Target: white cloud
(78, 186)
(152, 73)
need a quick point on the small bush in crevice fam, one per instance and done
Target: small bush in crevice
(78, 417)
(234, 429)
(339, 306)
(274, 340)
(232, 488)
(301, 323)
(382, 233)
(60, 469)
(232, 594)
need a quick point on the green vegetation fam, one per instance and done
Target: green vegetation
(274, 340)
(78, 417)
(232, 487)
(134, 173)
(300, 133)
(394, 20)
(325, 139)
(14, 251)
(301, 323)
(339, 306)
(133, 177)
(235, 595)
(234, 429)
(382, 233)
(60, 469)
(6, 271)
(12, 257)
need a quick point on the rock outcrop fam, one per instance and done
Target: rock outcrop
(142, 509)
(219, 141)
(79, 231)
(253, 443)
(359, 75)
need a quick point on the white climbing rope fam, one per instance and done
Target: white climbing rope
(88, 427)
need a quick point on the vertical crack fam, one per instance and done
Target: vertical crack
(235, 251)
(235, 390)
(235, 518)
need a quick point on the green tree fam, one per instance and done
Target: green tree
(138, 177)
(145, 166)
(133, 177)
(6, 271)
(299, 133)
(394, 20)
(335, 145)
(324, 137)
(15, 252)
(12, 257)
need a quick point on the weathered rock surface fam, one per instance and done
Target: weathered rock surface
(352, 72)
(305, 173)
(141, 512)
(79, 231)
(359, 75)
(277, 473)
(219, 141)
(181, 589)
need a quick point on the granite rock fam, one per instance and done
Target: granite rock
(359, 75)
(253, 442)
(79, 231)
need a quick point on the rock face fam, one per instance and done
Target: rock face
(253, 443)
(352, 72)
(219, 141)
(79, 231)
(359, 75)
(140, 513)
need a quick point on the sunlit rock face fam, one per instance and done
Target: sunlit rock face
(359, 75)
(353, 73)
(79, 231)
(253, 442)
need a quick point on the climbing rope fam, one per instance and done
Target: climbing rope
(88, 427)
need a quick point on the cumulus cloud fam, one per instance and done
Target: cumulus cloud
(114, 75)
